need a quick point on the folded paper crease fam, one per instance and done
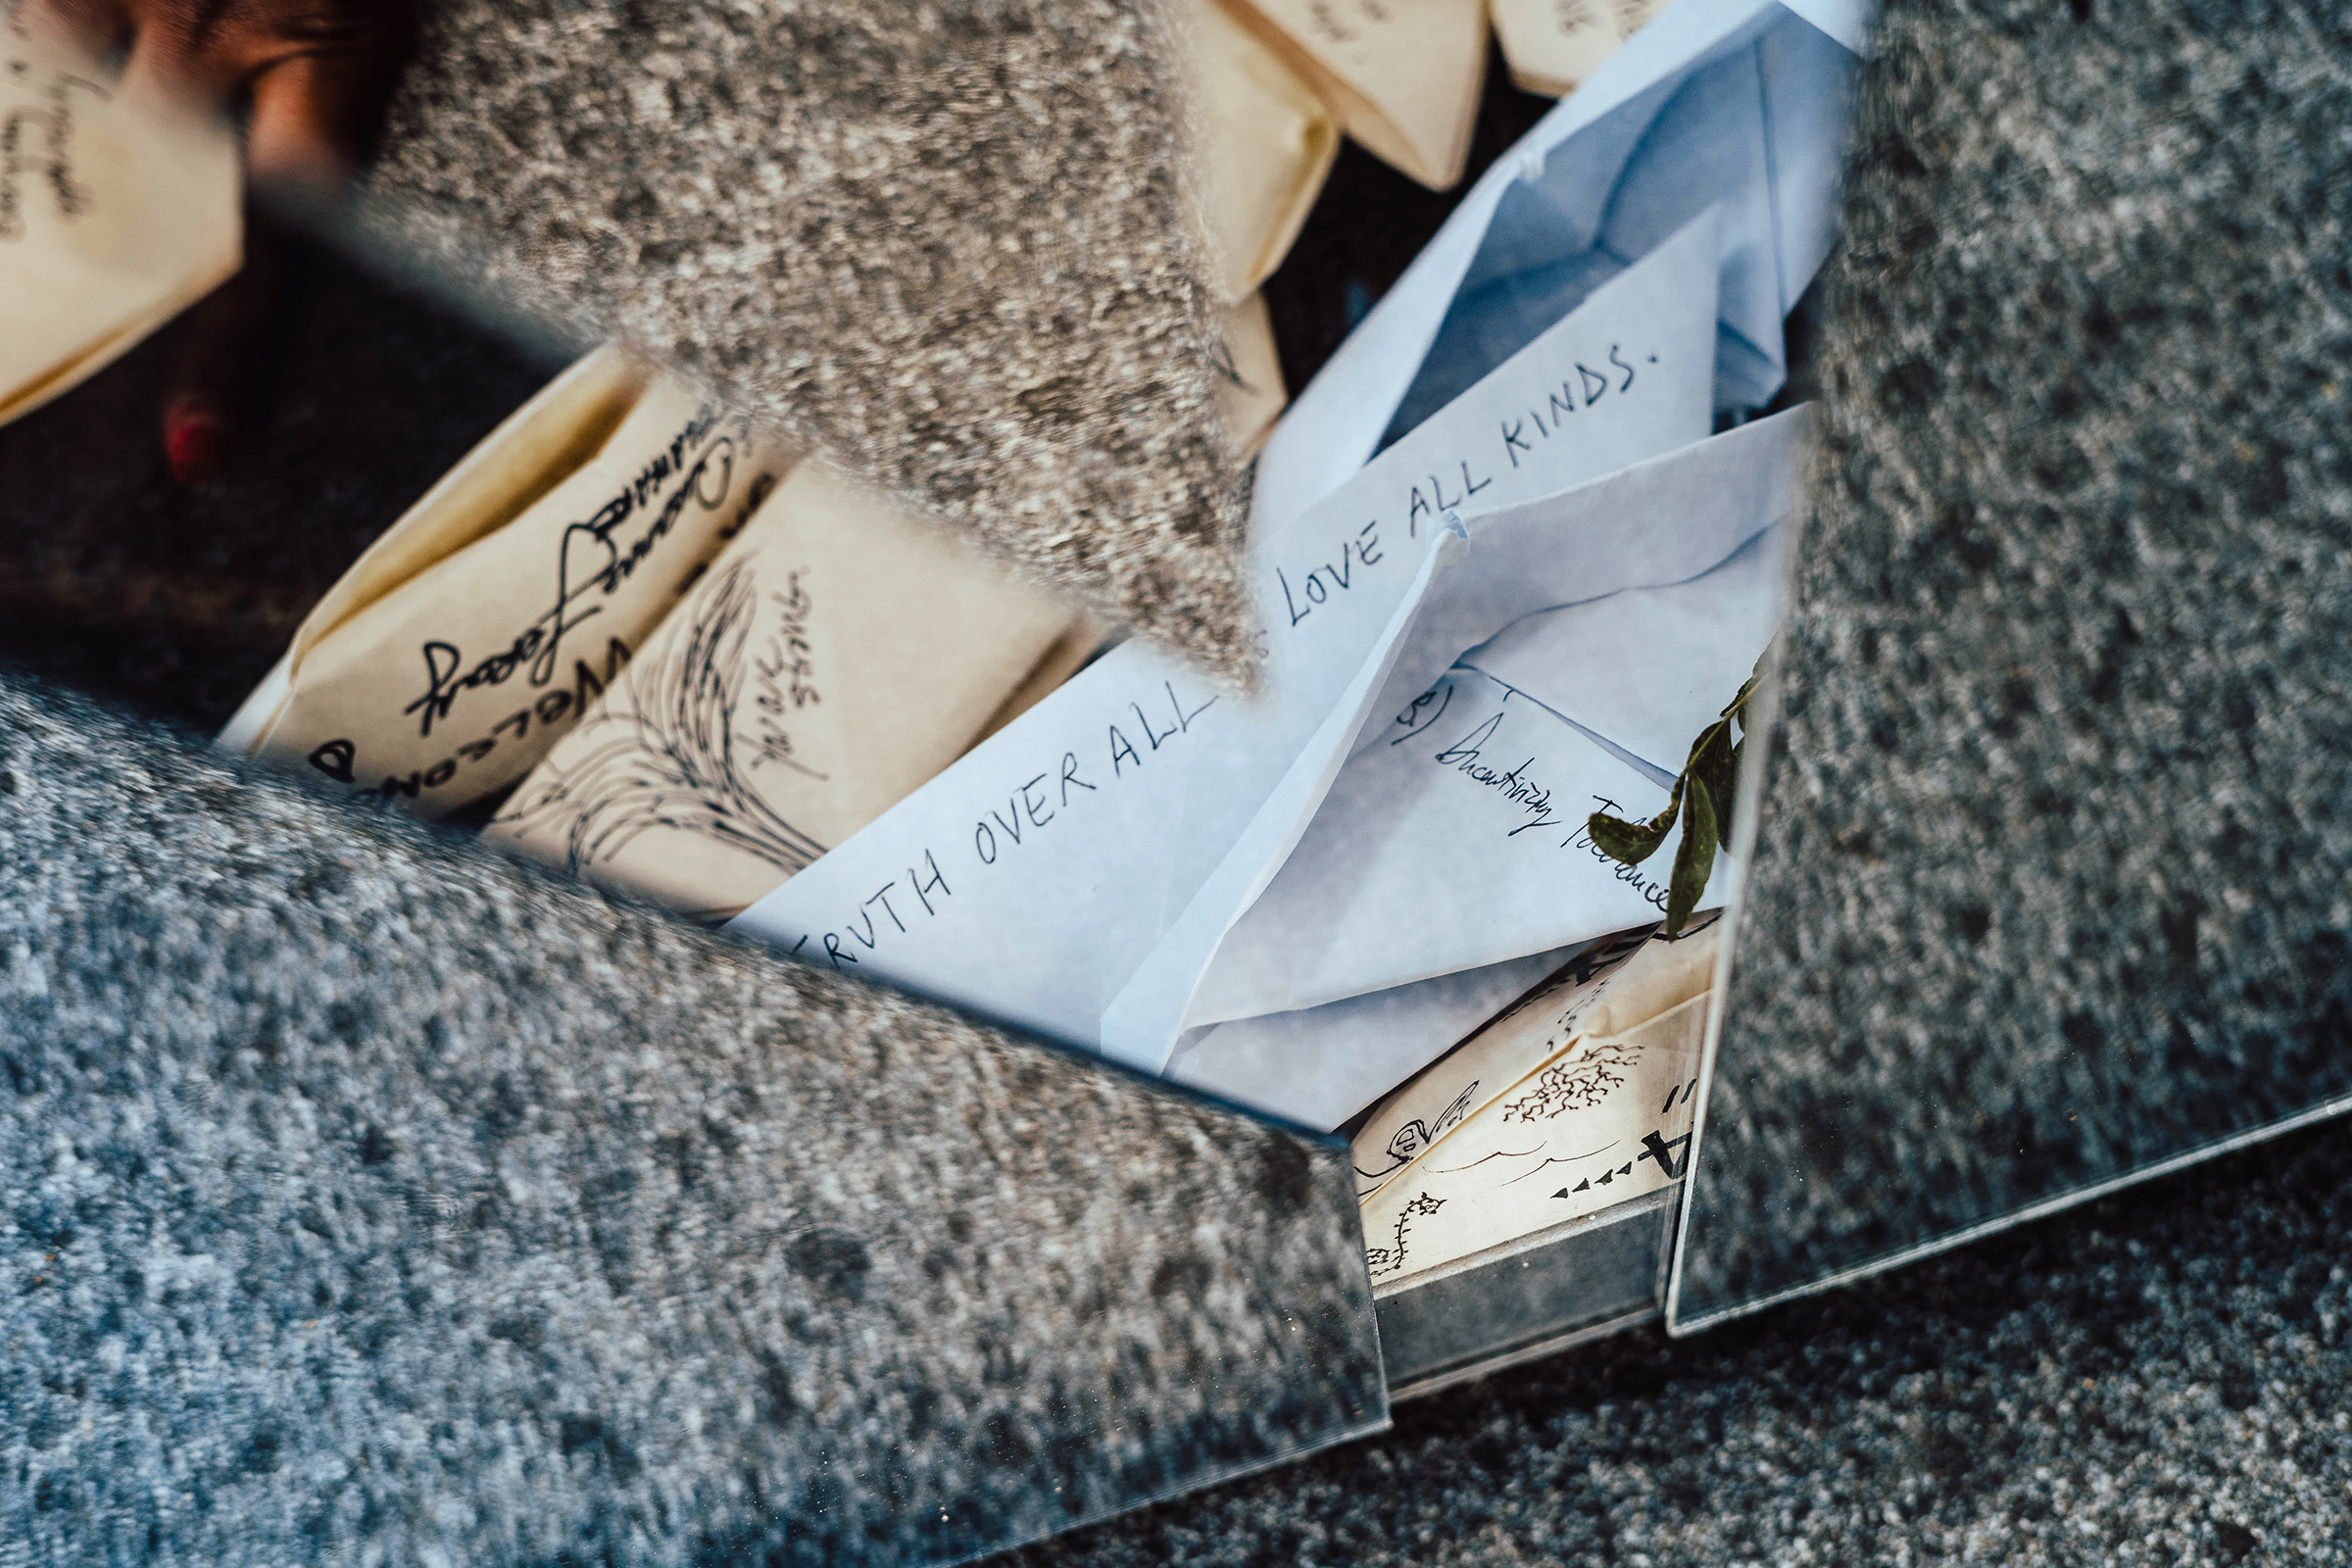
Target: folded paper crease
(949, 248)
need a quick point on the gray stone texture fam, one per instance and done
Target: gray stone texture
(367, 1198)
(2054, 876)
(946, 243)
(2160, 1381)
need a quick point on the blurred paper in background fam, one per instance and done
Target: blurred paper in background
(117, 209)
(1403, 79)
(1250, 391)
(1169, 774)
(1269, 142)
(1552, 46)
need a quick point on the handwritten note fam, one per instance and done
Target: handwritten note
(117, 209)
(1075, 840)
(1568, 1115)
(488, 620)
(1450, 833)
(1733, 105)
(1267, 146)
(839, 653)
(1552, 45)
(1648, 670)
(1607, 988)
(1461, 833)
(1403, 78)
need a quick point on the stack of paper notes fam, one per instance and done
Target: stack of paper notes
(117, 209)
(1144, 857)
(1512, 551)
(1511, 554)
(695, 664)
(835, 656)
(1577, 1098)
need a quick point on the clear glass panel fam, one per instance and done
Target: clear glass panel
(1925, 1039)
(1535, 1298)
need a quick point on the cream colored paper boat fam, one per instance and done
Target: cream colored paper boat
(839, 654)
(1402, 76)
(1249, 390)
(1268, 145)
(1606, 1121)
(487, 619)
(1552, 46)
(117, 209)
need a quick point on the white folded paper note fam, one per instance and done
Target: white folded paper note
(1453, 836)
(840, 652)
(483, 624)
(1742, 103)
(1647, 671)
(1136, 809)
(1458, 845)
(1403, 78)
(1320, 1066)
(117, 209)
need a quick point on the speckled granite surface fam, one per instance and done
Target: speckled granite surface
(947, 243)
(367, 1198)
(2055, 870)
(2162, 1379)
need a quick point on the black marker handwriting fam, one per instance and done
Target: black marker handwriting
(52, 163)
(587, 562)
(659, 753)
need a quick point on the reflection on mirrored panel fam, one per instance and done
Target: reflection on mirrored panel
(991, 1343)
(668, 1243)
(2048, 889)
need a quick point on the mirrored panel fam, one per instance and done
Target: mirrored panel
(2048, 888)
